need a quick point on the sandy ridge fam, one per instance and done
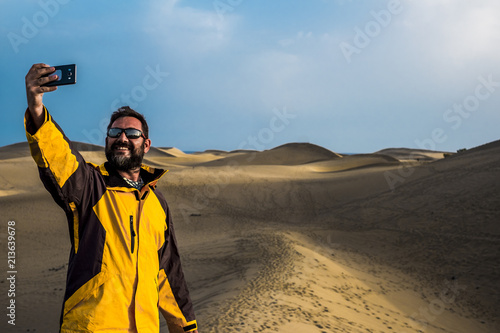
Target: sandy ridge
(304, 246)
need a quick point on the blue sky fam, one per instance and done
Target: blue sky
(352, 76)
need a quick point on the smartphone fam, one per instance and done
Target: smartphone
(66, 75)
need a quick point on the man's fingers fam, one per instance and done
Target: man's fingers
(44, 89)
(35, 90)
(45, 79)
(49, 89)
(45, 70)
(39, 70)
(38, 66)
(40, 74)
(37, 76)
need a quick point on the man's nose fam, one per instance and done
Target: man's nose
(122, 137)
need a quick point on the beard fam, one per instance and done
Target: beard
(125, 163)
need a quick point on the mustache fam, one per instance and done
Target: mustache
(122, 144)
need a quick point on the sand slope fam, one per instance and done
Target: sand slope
(297, 239)
(405, 154)
(288, 154)
(353, 162)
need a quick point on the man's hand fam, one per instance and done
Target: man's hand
(34, 90)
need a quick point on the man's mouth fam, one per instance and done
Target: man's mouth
(121, 148)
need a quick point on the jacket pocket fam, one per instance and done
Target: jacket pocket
(76, 225)
(132, 234)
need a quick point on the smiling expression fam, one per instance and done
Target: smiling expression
(124, 153)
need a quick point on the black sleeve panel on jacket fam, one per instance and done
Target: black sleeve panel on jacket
(175, 285)
(72, 182)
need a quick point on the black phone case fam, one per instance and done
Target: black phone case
(68, 76)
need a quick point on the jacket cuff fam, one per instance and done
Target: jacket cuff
(29, 125)
(191, 326)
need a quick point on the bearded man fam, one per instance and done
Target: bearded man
(124, 267)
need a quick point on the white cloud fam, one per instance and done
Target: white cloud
(417, 67)
(190, 29)
(457, 31)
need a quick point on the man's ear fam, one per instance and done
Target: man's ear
(147, 145)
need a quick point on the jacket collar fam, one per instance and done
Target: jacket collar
(149, 175)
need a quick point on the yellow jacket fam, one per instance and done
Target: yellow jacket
(124, 267)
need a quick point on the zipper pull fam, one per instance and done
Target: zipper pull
(132, 233)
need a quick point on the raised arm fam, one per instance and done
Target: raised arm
(62, 168)
(34, 91)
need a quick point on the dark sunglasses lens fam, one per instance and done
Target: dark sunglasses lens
(133, 133)
(115, 132)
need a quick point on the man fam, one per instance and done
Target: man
(124, 267)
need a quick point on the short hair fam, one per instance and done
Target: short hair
(126, 111)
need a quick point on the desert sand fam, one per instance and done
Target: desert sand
(295, 239)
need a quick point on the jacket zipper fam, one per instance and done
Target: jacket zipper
(132, 234)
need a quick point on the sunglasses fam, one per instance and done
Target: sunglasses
(130, 133)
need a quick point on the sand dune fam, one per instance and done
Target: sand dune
(298, 239)
(353, 162)
(217, 152)
(173, 151)
(158, 153)
(87, 147)
(288, 154)
(18, 175)
(458, 199)
(405, 154)
(15, 150)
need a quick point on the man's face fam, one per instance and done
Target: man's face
(123, 153)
